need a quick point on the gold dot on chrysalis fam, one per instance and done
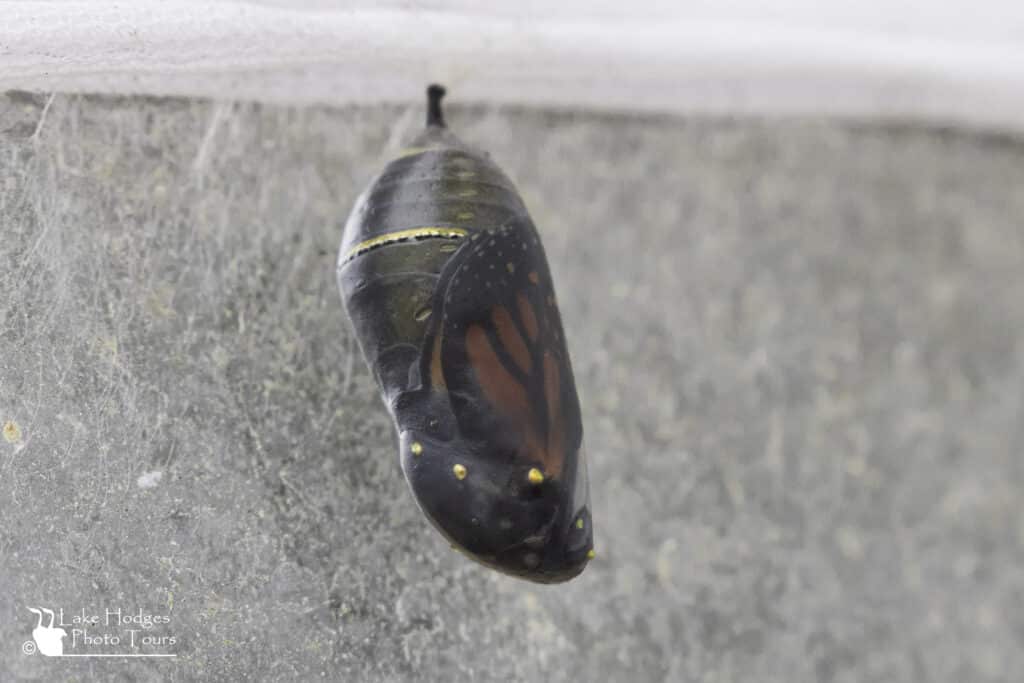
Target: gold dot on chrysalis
(460, 472)
(422, 314)
(591, 554)
(535, 476)
(416, 448)
(579, 523)
(465, 215)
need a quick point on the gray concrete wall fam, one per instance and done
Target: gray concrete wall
(797, 346)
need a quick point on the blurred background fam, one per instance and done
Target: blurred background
(787, 245)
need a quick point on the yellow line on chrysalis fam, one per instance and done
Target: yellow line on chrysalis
(411, 234)
(413, 151)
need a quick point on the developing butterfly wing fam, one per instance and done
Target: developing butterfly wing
(496, 353)
(503, 355)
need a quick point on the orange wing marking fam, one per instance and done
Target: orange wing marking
(528, 316)
(502, 390)
(556, 425)
(511, 338)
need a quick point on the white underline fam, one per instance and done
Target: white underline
(105, 655)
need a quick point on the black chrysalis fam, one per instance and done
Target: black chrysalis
(445, 280)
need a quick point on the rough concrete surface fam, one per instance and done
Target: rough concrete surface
(797, 346)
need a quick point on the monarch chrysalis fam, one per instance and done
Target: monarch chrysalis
(445, 280)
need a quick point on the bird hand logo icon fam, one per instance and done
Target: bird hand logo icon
(48, 639)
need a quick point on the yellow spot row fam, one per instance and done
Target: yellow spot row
(412, 233)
